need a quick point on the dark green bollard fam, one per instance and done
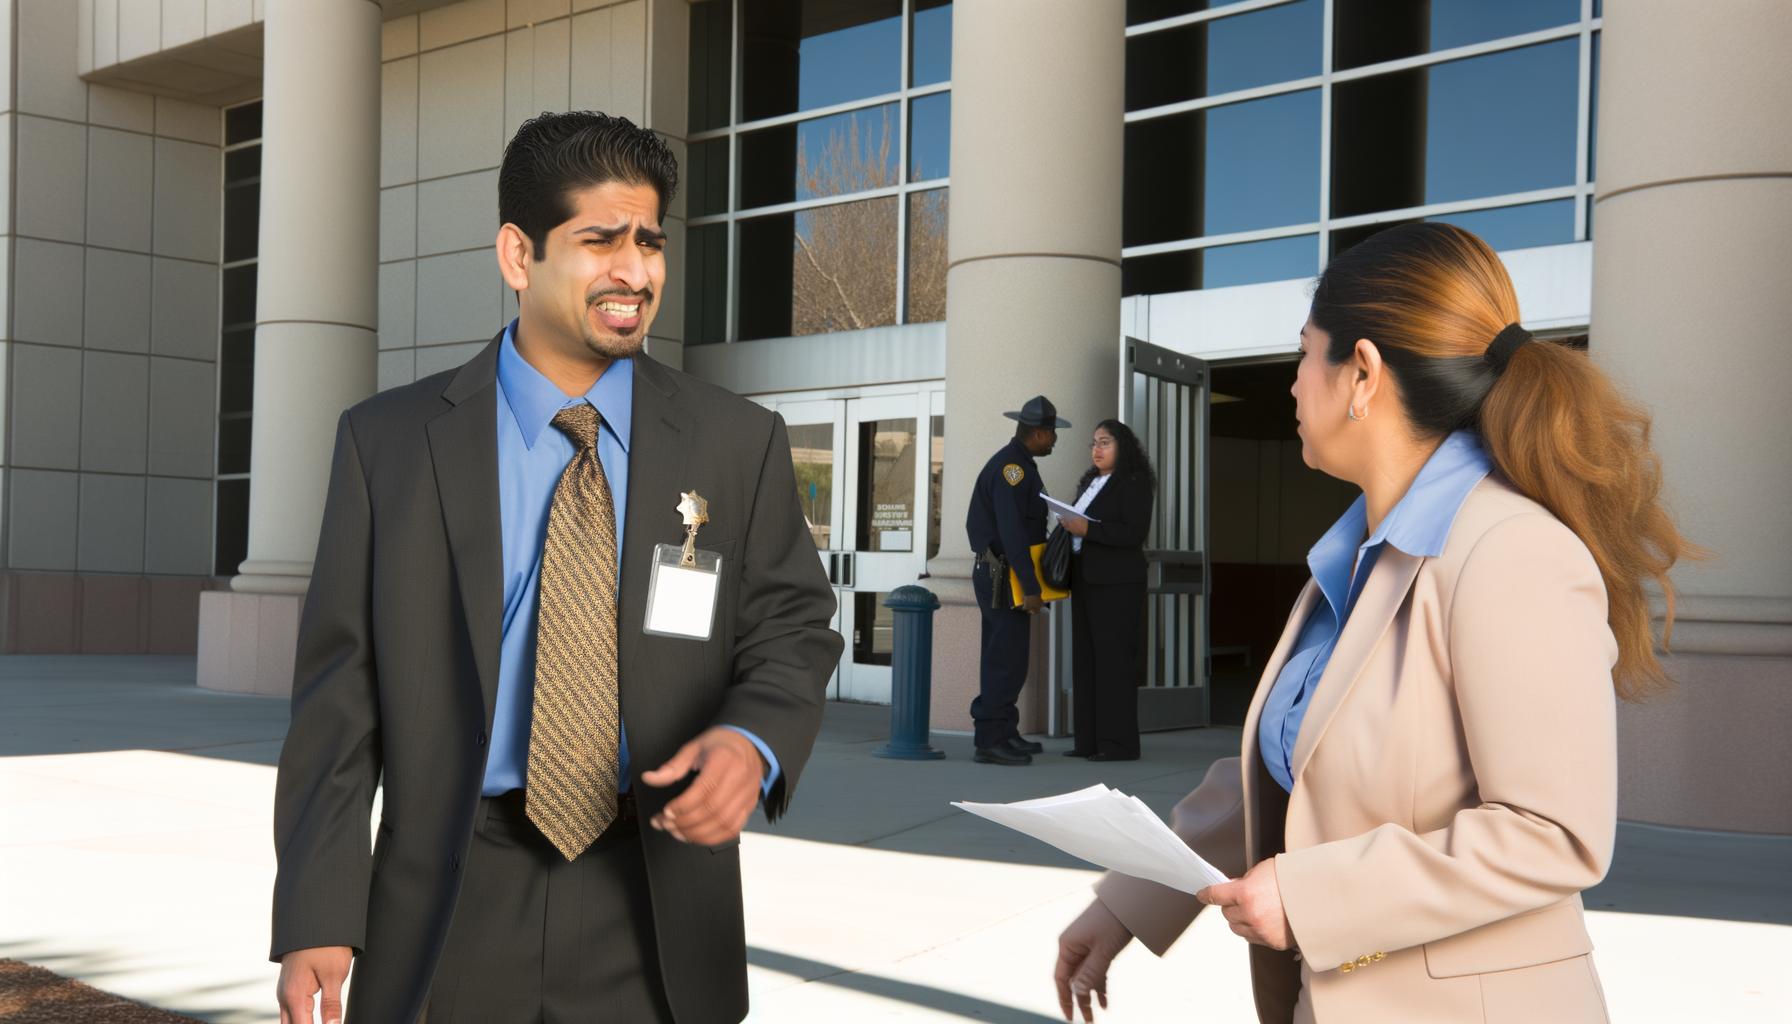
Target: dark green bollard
(911, 674)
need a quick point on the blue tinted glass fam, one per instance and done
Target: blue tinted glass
(1502, 123)
(1279, 259)
(931, 48)
(1593, 112)
(1519, 227)
(803, 54)
(826, 156)
(1213, 57)
(1262, 163)
(1461, 22)
(930, 137)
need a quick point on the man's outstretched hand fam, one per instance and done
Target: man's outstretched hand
(303, 972)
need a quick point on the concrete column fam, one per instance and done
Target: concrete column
(1034, 277)
(1690, 272)
(316, 317)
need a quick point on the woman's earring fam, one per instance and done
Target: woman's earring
(1350, 411)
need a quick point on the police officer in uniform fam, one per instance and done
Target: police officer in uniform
(1005, 520)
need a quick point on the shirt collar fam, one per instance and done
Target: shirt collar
(533, 399)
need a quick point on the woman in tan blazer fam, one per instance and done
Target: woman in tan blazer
(1428, 776)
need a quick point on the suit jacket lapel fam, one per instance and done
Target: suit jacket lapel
(1249, 753)
(659, 444)
(1383, 594)
(463, 445)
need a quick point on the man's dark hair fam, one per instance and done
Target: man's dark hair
(552, 155)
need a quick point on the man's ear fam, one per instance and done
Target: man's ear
(515, 254)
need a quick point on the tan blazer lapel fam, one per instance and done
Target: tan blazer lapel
(1383, 594)
(1248, 751)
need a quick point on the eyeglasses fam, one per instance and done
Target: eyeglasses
(1106, 442)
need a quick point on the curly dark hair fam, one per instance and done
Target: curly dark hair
(554, 154)
(1129, 457)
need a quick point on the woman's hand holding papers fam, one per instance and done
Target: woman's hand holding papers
(1253, 906)
(1085, 950)
(1076, 526)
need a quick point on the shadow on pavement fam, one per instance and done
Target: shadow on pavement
(815, 972)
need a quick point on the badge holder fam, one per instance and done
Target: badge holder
(682, 589)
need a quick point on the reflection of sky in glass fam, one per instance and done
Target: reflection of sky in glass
(929, 137)
(1502, 123)
(1460, 22)
(1263, 163)
(1264, 47)
(848, 152)
(851, 63)
(1593, 112)
(931, 56)
(1519, 227)
(1279, 259)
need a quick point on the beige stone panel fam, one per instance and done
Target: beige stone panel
(120, 108)
(458, 298)
(1688, 90)
(114, 412)
(46, 407)
(398, 122)
(6, 176)
(461, 109)
(519, 78)
(669, 321)
(139, 28)
(111, 530)
(224, 15)
(397, 367)
(183, 21)
(552, 78)
(105, 33)
(190, 122)
(177, 528)
(47, 292)
(398, 304)
(1019, 184)
(118, 301)
(51, 177)
(182, 417)
(398, 37)
(83, 39)
(185, 310)
(120, 197)
(1688, 315)
(530, 12)
(609, 61)
(590, 77)
(398, 223)
(188, 186)
(437, 358)
(456, 214)
(41, 512)
(669, 67)
(46, 69)
(457, 23)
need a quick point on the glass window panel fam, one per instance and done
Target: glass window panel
(706, 175)
(873, 629)
(832, 268)
(1372, 31)
(233, 443)
(239, 297)
(804, 54)
(927, 222)
(812, 456)
(1221, 266)
(930, 137)
(706, 284)
(233, 526)
(827, 156)
(240, 164)
(930, 49)
(242, 221)
(1593, 113)
(712, 43)
(236, 371)
(886, 498)
(242, 124)
(1138, 12)
(1519, 227)
(936, 479)
(1462, 130)
(1213, 57)
(1240, 167)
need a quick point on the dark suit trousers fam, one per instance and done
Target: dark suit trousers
(1003, 669)
(538, 939)
(1106, 637)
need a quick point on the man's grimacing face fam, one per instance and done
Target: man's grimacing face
(604, 270)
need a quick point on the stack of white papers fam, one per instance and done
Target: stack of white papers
(1065, 511)
(1109, 828)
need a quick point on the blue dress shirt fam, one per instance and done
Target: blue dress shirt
(532, 454)
(1418, 524)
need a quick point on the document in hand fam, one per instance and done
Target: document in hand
(1109, 828)
(1064, 511)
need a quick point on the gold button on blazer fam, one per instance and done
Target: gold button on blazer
(1455, 788)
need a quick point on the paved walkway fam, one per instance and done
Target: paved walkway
(135, 855)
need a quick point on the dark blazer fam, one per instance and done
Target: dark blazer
(1114, 549)
(398, 658)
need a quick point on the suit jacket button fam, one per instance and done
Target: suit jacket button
(481, 738)
(454, 862)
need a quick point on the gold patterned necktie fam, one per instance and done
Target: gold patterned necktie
(570, 788)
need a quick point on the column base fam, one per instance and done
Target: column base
(247, 641)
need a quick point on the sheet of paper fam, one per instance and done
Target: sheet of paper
(1108, 828)
(1065, 510)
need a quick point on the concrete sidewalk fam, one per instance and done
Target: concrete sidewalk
(135, 855)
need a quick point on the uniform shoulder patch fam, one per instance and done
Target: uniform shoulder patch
(1013, 474)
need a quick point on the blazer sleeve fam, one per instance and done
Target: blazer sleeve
(784, 651)
(1134, 522)
(330, 762)
(1532, 654)
(1211, 821)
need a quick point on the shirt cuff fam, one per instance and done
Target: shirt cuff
(771, 761)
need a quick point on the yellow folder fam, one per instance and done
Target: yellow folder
(1046, 592)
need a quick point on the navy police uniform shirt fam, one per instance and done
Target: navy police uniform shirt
(1006, 514)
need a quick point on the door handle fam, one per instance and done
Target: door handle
(834, 568)
(847, 568)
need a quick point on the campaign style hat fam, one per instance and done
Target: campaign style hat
(1038, 412)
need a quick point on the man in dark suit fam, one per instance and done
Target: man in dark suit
(474, 639)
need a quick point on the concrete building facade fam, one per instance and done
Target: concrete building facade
(230, 219)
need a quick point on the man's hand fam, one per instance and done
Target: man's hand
(1253, 906)
(1032, 604)
(716, 807)
(1085, 950)
(303, 972)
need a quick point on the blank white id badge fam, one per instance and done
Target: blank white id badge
(681, 599)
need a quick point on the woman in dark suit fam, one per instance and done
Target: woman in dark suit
(1107, 593)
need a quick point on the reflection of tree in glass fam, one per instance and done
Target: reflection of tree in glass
(844, 273)
(927, 256)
